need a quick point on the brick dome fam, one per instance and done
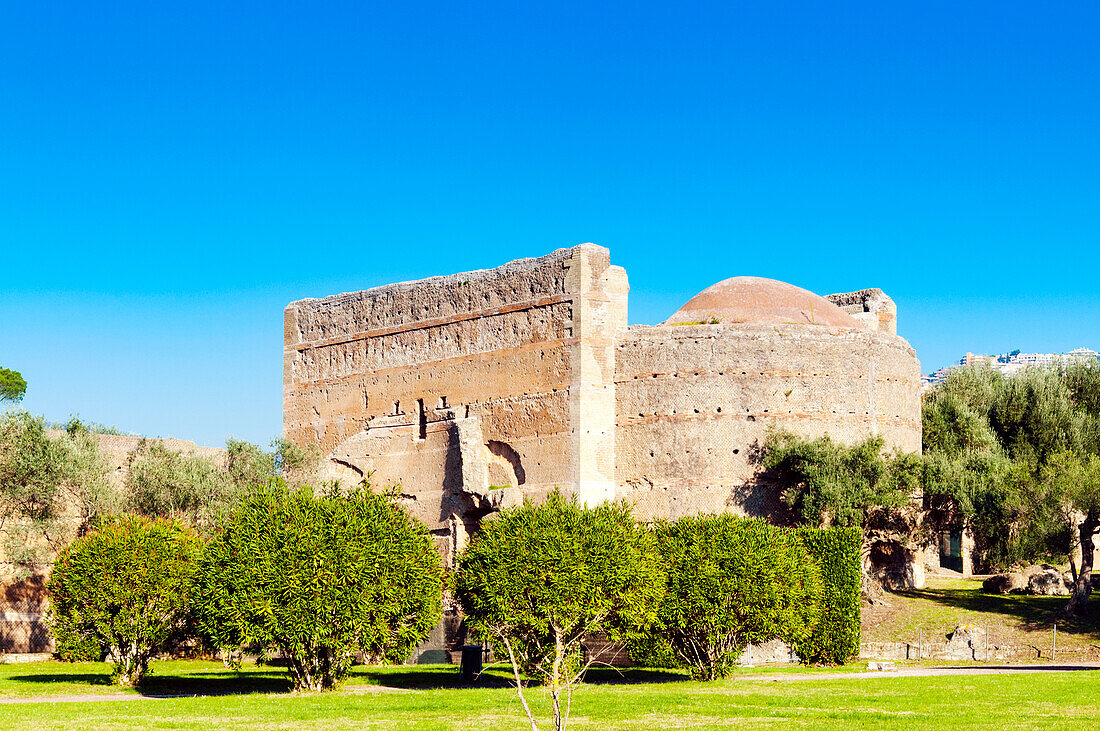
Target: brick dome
(760, 301)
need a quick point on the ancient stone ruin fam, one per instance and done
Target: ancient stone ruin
(473, 390)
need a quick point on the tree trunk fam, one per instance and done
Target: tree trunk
(1082, 587)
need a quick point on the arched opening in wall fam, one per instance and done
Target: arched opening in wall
(505, 466)
(891, 564)
(345, 473)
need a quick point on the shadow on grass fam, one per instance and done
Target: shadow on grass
(1032, 612)
(77, 678)
(629, 676)
(447, 677)
(213, 683)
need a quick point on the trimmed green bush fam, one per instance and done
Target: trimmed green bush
(321, 580)
(538, 579)
(836, 634)
(75, 649)
(731, 581)
(125, 587)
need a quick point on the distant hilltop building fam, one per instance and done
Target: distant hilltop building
(1009, 364)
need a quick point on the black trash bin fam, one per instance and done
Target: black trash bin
(471, 662)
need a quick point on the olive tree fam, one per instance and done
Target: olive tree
(1073, 485)
(537, 580)
(320, 579)
(188, 487)
(52, 488)
(732, 582)
(126, 587)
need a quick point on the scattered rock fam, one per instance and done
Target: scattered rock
(1040, 579)
(1047, 581)
(1004, 583)
(966, 642)
(881, 666)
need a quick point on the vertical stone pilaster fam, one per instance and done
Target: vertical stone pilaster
(599, 313)
(290, 339)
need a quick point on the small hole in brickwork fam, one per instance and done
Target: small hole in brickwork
(697, 411)
(737, 451)
(396, 408)
(719, 409)
(442, 402)
(752, 418)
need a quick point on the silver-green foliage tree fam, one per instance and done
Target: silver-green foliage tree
(732, 581)
(126, 587)
(52, 488)
(1015, 459)
(199, 490)
(538, 579)
(828, 483)
(321, 579)
(177, 485)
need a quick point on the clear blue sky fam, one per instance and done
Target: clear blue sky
(173, 174)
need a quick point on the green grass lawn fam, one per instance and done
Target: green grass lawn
(1011, 619)
(428, 697)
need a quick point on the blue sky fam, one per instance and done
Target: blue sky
(172, 175)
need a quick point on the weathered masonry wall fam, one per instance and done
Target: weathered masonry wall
(871, 307)
(694, 401)
(467, 390)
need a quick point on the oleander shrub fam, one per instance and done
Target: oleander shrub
(537, 580)
(835, 636)
(321, 580)
(125, 588)
(730, 581)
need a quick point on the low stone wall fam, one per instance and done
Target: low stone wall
(995, 652)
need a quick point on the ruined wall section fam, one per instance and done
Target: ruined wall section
(695, 401)
(455, 385)
(871, 307)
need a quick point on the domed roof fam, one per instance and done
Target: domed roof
(759, 301)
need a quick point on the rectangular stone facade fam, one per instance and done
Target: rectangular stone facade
(466, 390)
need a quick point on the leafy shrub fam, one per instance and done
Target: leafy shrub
(537, 579)
(321, 579)
(126, 587)
(731, 581)
(71, 648)
(835, 635)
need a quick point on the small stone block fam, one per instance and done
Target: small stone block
(881, 666)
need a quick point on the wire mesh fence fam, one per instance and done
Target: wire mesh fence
(980, 643)
(24, 633)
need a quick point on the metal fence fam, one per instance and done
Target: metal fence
(24, 633)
